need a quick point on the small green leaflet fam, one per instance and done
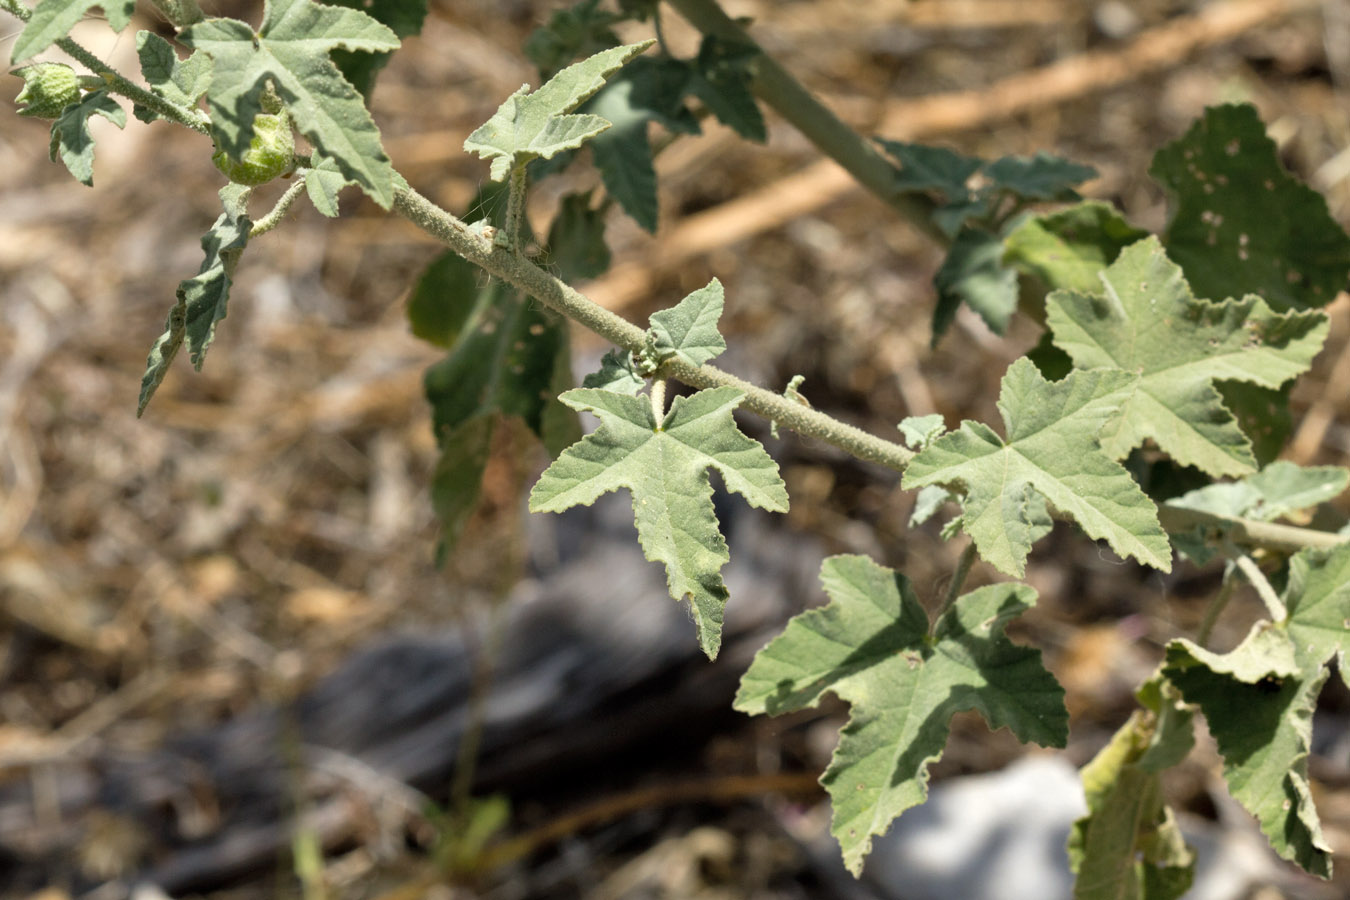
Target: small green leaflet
(973, 273)
(1129, 846)
(323, 182)
(71, 141)
(920, 431)
(1069, 248)
(202, 299)
(617, 373)
(538, 125)
(1278, 490)
(182, 82)
(290, 51)
(665, 467)
(1051, 454)
(873, 648)
(1241, 223)
(688, 330)
(1146, 320)
(53, 19)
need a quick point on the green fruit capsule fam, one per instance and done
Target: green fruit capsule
(269, 154)
(48, 88)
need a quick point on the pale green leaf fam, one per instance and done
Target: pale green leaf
(538, 125)
(1051, 454)
(1145, 320)
(1128, 846)
(53, 19)
(71, 141)
(201, 300)
(1069, 249)
(973, 274)
(617, 373)
(290, 51)
(1241, 223)
(665, 466)
(1266, 651)
(920, 431)
(323, 182)
(688, 329)
(1278, 490)
(927, 503)
(872, 647)
(182, 82)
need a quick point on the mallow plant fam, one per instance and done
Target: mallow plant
(1186, 342)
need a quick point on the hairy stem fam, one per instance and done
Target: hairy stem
(509, 236)
(1215, 609)
(1258, 580)
(278, 212)
(963, 567)
(786, 96)
(1249, 532)
(658, 398)
(562, 298)
(118, 83)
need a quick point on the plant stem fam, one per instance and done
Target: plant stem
(278, 212)
(1215, 609)
(1258, 580)
(1250, 532)
(785, 95)
(658, 398)
(562, 298)
(509, 236)
(963, 567)
(118, 83)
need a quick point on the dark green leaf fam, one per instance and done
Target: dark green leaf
(404, 18)
(973, 273)
(71, 141)
(723, 75)
(578, 31)
(576, 240)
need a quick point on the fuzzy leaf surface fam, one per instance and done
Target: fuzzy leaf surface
(1069, 248)
(201, 300)
(53, 19)
(1278, 490)
(323, 182)
(291, 51)
(71, 141)
(1052, 455)
(1241, 223)
(688, 329)
(1128, 846)
(873, 648)
(540, 124)
(183, 82)
(665, 467)
(1146, 320)
(617, 373)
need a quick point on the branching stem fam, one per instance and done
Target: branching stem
(278, 212)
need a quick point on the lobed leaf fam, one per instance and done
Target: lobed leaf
(1241, 223)
(53, 19)
(665, 467)
(1146, 320)
(873, 648)
(71, 141)
(323, 182)
(1069, 248)
(1051, 455)
(688, 329)
(539, 124)
(201, 300)
(182, 82)
(290, 52)
(973, 273)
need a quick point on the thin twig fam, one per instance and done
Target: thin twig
(963, 567)
(1274, 605)
(1215, 609)
(278, 212)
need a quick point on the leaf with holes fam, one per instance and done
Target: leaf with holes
(665, 466)
(1051, 455)
(873, 648)
(540, 124)
(290, 51)
(1144, 319)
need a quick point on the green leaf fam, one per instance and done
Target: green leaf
(457, 479)
(1128, 846)
(1278, 490)
(920, 431)
(444, 299)
(617, 373)
(323, 182)
(1317, 595)
(290, 52)
(665, 467)
(1039, 177)
(722, 79)
(1146, 320)
(1051, 454)
(688, 329)
(531, 125)
(1069, 249)
(201, 300)
(973, 274)
(183, 82)
(53, 19)
(580, 30)
(404, 18)
(1263, 415)
(924, 168)
(872, 647)
(71, 141)
(1241, 223)
(576, 239)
